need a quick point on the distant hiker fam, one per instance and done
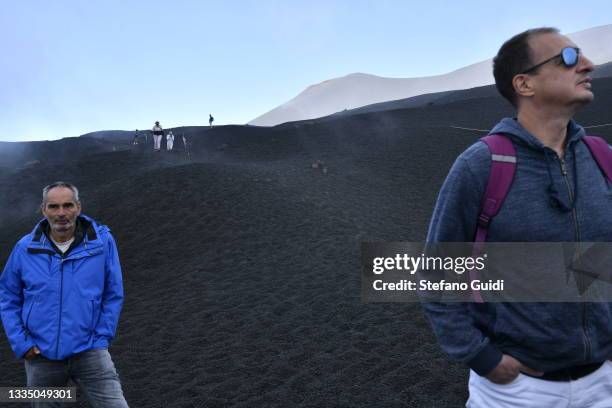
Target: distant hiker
(158, 132)
(210, 120)
(61, 295)
(135, 142)
(184, 142)
(169, 140)
(536, 354)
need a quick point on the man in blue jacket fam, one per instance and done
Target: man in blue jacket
(61, 294)
(532, 354)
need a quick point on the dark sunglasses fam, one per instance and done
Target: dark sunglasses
(569, 57)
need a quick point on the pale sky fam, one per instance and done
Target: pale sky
(70, 67)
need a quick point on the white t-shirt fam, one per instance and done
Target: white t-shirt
(63, 246)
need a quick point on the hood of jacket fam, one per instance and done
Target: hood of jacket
(519, 135)
(512, 128)
(87, 232)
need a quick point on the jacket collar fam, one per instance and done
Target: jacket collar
(85, 232)
(512, 127)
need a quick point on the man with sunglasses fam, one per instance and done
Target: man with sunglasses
(61, 293)
(532, 354)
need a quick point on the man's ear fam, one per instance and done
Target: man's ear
(523, 85)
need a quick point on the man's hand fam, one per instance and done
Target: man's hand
(33, 352)
(508, 369)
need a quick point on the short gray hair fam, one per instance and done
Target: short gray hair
(58, 184)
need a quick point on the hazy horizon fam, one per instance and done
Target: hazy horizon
(75, 67)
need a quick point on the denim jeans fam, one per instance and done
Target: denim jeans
(93, 371)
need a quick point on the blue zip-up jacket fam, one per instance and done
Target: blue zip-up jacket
(543, 205)
(67, 304)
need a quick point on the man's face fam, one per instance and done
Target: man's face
(61, 210)
(554, 83)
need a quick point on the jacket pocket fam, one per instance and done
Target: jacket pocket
(29, 313)
(86, 269)
(93, 313)
(94, 306)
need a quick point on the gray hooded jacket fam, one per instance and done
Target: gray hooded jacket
(551, 200)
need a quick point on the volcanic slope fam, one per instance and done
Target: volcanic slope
(241, 261)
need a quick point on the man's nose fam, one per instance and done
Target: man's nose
(585, 64)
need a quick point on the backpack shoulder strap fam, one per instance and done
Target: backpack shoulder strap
(503, 167)
(602, 153)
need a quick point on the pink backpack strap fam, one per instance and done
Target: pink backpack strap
(602, 153)
(503, 167)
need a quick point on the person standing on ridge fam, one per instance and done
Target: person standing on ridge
(158, 133)
(135, 142)
(537, 354)
(169, 141)
(210, 120)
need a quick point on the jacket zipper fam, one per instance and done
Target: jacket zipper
(571, 196)
(59, 328)
(585, 336)
(59, 325)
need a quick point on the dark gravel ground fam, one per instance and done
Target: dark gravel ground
(241, 261)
